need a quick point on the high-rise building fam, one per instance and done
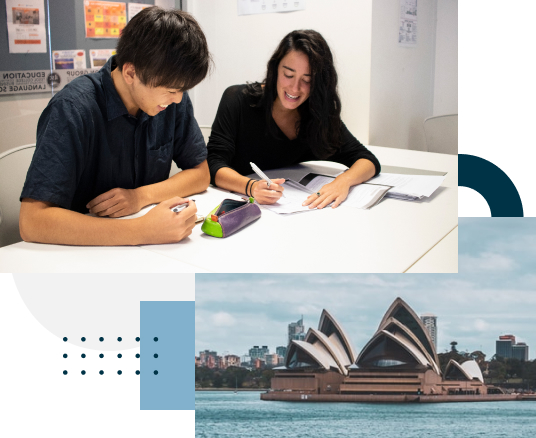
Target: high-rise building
(258, 352)
(209, 358)
(281, 351)
(520, 351)
(430, 322)
(272, 360)
(231, 360)
(503, 346)
(296, 331)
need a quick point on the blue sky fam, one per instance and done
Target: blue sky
(494, 293)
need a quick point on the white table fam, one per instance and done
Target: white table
(439, 259)
(391, 237)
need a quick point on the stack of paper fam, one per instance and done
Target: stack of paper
(408, 187)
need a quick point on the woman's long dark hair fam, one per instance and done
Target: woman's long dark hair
(320, 115)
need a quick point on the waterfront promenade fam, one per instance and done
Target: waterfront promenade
(376, 398)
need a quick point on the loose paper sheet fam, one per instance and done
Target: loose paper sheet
(362, 196)
(294, 196)
(26, 26)
(417, 186)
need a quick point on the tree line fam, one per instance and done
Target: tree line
(498, 371)
(233, 377)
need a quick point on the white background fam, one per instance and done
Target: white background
(37, 400)
(497, 93)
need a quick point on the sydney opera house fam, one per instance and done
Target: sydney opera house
(399, 363)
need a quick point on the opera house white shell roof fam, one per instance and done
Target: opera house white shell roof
(401, 340)
(469, 369)
(328, 347)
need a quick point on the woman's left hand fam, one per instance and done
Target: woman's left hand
(336, 192)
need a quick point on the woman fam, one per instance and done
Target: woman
(293, 116)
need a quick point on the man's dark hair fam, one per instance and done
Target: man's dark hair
(167, 48)
(320, 115)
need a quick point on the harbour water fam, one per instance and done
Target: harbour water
(226, 414)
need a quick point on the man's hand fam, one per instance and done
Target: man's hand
(161, 225)
(115, 203)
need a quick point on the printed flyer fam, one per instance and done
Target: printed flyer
(99, 57)
(69, 59)
(26, 26)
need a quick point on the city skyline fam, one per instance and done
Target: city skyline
(494, 294)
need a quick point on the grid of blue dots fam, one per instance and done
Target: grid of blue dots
(101, 355)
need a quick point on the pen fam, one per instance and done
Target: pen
(181, 207)
(261, 174)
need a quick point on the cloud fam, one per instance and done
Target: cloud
(481, 325)
(223, 319)
(487, 261)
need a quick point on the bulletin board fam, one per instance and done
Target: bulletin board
(67, 32)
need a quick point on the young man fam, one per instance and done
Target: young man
(105, 143)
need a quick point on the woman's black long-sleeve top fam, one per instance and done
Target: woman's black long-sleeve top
(240, 136)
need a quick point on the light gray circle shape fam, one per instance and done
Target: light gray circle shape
(98, 305)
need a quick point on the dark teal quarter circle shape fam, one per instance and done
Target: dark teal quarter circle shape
(492, 183)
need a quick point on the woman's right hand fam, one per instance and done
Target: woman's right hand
(265, 195)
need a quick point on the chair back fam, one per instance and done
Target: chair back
(441, 134)
(14, 165)
(205, 130)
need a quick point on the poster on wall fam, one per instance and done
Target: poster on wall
(38, 81)
(104, 19)
(69, 59)
(407, 32)
(248, 7)
(26, 26)
(134, 8)
(99, 57)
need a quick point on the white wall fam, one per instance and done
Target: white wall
(242, 45)
(402, 78)
(19, 114)
(446, 60)
(386, 90)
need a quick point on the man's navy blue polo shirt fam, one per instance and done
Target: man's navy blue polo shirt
(87, 144)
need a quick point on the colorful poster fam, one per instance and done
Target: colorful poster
(69, 59)
(134, 8)
(26, 26)
(104, 19)
(99, 57)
